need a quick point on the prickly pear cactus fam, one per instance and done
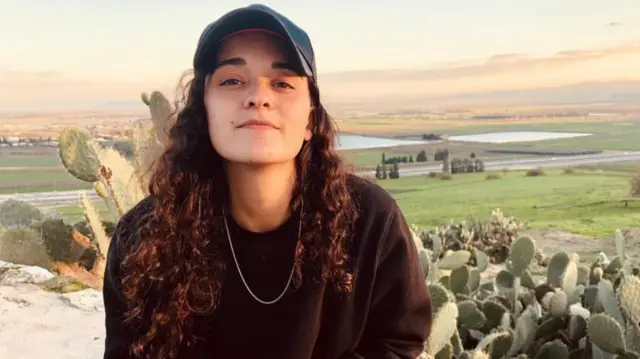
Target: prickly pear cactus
(120, 182)
(575, 310)
(79, 154)
(163, 114)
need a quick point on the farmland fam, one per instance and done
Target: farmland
(31, 169)
(585, 202)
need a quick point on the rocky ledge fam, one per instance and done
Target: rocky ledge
(47, 316)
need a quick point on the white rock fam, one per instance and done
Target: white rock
(19, 274)
(88, 300)
(38, 324)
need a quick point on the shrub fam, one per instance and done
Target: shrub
(23, 245)
(59, 241)
(395, 171)
(14, 212)
(493, 176)
(569, 170)
(635, 185)
(446, 176)
(535, 172)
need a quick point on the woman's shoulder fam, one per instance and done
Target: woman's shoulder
(128, 225)
(378, 214)
(370, 198)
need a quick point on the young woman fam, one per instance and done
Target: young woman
(254, 242)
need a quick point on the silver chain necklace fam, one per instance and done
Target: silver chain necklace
(244, 281)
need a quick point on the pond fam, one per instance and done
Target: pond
(354, 142)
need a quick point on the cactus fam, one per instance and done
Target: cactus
(31, 236)
(577, 309)
(492, 237)
(79, 154)
(120, 182)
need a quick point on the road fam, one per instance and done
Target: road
(71, 197)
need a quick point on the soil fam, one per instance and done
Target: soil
(551, 241)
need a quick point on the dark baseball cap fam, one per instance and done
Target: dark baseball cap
(254, 17)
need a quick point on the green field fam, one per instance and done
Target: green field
(586, 202)
(73, 212)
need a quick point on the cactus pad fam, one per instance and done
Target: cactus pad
(78, 153)
(439, 296)
(559, 304)
(458, 279)
(569, 279)
(553, 350)
(629, 298)
(445, 321)
(556, 267)
(522, 252)
(577, 327)
(454, 260)
(470, 316)
(606, 333)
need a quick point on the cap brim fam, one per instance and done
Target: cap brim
(238, 20)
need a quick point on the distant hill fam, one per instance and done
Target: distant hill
(613, 92)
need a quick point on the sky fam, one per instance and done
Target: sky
(116, 43)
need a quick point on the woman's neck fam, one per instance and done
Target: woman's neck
(261, 196)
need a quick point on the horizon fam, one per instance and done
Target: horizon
(97, 55)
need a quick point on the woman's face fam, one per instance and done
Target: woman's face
(258, 108)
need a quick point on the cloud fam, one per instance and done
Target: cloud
(40, 88)
(497, 64)
(499, 72)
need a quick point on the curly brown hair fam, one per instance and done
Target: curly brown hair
(183, 227)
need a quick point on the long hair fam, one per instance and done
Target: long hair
(179, 251)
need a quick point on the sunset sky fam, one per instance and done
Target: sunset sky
(65, 52)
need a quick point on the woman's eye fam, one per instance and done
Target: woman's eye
(229, 82)
(283, 84)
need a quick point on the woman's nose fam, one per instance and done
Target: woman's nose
(259, 96)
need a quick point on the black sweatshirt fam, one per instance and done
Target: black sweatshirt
(387, 315)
